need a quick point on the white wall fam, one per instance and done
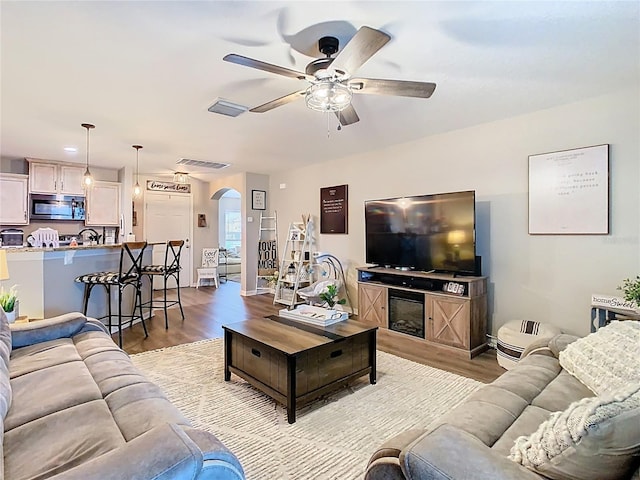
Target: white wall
(546, 278)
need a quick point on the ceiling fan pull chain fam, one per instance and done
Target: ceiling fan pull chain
(327, 124)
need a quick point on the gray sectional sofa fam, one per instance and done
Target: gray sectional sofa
(73, 406)
(474, 440)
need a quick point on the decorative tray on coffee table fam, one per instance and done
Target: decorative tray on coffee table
(314, 315)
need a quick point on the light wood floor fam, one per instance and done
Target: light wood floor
(208, 308)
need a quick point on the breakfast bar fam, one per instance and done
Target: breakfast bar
(46, 278)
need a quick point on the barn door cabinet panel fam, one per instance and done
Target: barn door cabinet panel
(13, 199)
(372, 304)
(103, 204)
(448, 320)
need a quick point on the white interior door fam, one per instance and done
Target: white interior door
(168, 217)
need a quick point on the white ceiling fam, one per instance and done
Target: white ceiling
(146, 72)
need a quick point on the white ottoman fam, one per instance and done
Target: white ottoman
(515, 336)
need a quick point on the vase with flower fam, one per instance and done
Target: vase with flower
(9, 302)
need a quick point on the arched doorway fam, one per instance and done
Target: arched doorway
(230, 231)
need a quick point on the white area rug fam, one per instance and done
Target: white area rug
(332, 438)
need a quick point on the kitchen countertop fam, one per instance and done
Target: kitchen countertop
(59, 249)
(67, 247)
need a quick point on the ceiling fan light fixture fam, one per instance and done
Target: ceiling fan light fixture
(328, 96)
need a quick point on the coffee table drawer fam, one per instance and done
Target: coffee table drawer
(261, 362)
(328, 363)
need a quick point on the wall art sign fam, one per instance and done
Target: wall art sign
(258, 200)
(157, 186)
(267, 257)
(210, 257)
(334, 209)
(569, 192)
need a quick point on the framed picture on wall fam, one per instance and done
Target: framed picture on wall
(569, 192)
(258, 200)
(334, 209)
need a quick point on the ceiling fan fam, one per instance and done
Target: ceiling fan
(331, 82)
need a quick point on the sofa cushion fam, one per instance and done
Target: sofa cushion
(39, 356)
(58, 442)
(50, 390)
(594, 438)
(606, 360)
(490, 411)
(561, 392)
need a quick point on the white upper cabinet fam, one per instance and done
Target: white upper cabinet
(13, 199)
(103, 204)
(70, 179)
(43, 177)
(54, 178)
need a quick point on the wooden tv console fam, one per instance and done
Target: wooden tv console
(455, 310)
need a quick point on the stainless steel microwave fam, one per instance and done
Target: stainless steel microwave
(56, 207)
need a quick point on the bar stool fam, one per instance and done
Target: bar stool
(126, 276)
(170, 269)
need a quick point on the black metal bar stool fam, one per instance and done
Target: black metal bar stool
(130, 275)
(170, 269)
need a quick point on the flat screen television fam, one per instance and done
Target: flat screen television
(424, 233)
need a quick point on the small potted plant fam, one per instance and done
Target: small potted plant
(328, 296)
(9, 302)
(631, 290)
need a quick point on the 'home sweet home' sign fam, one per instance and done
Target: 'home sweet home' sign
(157, 186)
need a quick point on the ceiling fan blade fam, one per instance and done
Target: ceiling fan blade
(364, 44)
(278, 102)
(401, 88)
(267, 67)
(348, 115)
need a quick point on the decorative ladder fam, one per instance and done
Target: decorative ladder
(294, 264)
(267, 253)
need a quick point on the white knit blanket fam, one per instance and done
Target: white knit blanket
(565, 429)
(606, 360)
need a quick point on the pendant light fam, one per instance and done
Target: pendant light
(87, 180)
(137, 191)
(181, 177)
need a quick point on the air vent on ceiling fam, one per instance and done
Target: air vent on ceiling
(200, 163)
(225, 107)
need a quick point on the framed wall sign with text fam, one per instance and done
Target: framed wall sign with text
(258, 200)
(334, 209)
(569, 192)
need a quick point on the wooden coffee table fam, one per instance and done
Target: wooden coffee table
(295, 363)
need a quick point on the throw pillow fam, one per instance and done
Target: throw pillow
(607, 360)
(595, 438)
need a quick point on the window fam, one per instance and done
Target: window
(232, 229)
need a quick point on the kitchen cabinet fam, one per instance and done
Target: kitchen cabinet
(13, 199)
(103, 204)
(55, 178)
